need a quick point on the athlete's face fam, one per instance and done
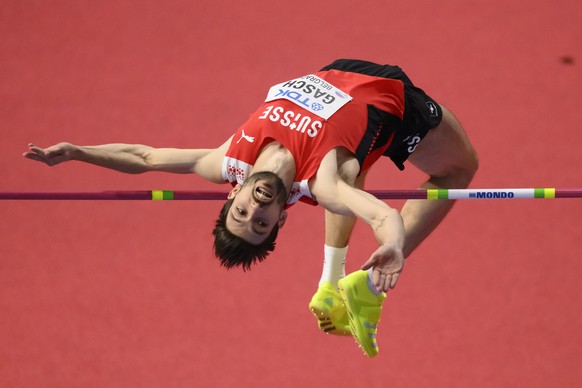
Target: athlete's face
(257, 207)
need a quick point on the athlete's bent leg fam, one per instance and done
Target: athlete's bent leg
(447, 156)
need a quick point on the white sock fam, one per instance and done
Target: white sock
(371, 284)
(334, 265)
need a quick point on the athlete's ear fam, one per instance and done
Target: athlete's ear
(282, 218)
(234, 191)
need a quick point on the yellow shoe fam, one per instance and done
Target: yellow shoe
(330, 311)
(364, 308)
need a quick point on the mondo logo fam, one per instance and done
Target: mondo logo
(491, 194)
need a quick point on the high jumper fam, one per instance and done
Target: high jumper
(313, 140)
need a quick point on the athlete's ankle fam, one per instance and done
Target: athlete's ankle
(334, 264)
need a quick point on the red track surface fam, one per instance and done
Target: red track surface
(122, 294)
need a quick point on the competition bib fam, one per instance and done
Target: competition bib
(312, 93)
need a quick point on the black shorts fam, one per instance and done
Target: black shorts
(421, 113)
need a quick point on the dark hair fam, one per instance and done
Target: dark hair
(233, 251)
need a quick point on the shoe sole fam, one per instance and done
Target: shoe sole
(325, 323)
(356, 324)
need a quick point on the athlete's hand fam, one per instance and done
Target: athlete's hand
(51, 156)
(388, 262)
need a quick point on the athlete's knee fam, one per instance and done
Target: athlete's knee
(465, 163)
(455, 177)
(466, 172)
(468, 163)
(461, 172)
(472, 162)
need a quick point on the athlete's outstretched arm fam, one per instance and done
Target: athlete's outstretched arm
(136, 158)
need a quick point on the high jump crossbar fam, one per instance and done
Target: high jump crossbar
(165, 195)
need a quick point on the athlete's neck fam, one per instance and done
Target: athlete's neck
(278, 160)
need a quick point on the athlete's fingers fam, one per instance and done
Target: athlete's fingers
(385, 283)
(375, 277)
(35, 153)
(33, 156)
(37, 150)
(394, 280)
(381, 280)
(51, 156)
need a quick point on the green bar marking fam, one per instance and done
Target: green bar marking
(162, 195)
(539, 193)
